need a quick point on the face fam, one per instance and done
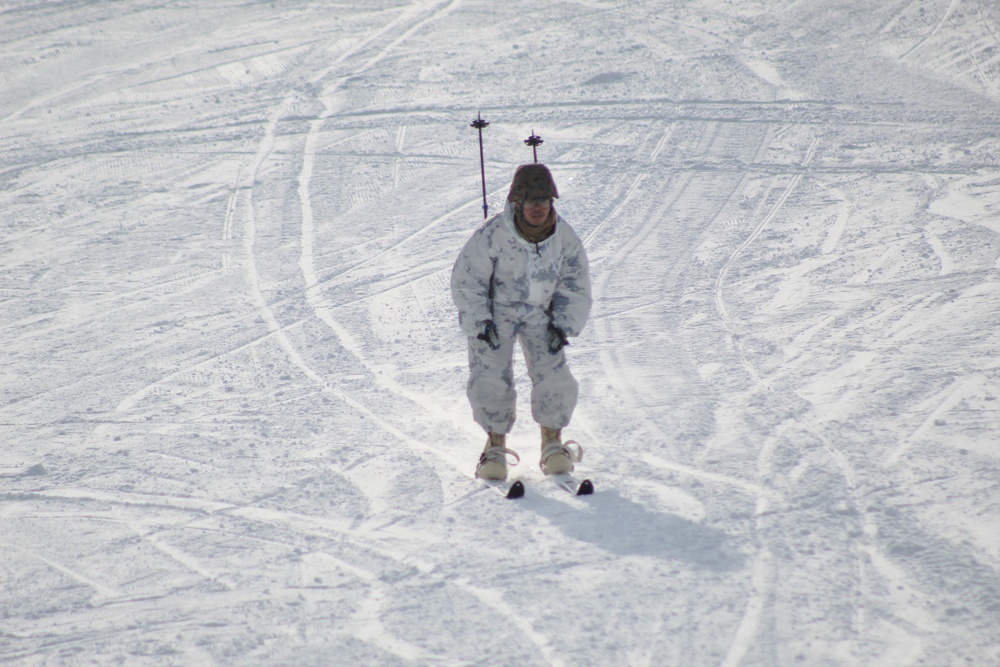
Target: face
(536, 211)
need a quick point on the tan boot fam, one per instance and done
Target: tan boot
(493, 460)
(557, 458)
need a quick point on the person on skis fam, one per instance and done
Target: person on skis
(523, 277)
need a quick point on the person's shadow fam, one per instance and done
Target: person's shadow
(625, 528)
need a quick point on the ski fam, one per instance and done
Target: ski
(510, 491)
(515, 491)
(568, 483)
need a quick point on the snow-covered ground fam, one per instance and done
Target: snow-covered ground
(233, 427)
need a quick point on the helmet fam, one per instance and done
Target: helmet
(532, 181)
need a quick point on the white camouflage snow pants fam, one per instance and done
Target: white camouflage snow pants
(491, 390)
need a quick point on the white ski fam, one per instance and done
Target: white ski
(511, 491)
(570, 484)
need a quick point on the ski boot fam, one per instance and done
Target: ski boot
(493, 460)
(558, 457)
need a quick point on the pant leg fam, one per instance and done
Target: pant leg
(554, 390)
(491, 385)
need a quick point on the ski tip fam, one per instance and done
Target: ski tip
(516, 490)
(586, 488)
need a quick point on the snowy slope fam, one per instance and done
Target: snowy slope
(233, 427)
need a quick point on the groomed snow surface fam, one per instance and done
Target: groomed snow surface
(233, 427)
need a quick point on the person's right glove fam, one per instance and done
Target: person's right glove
(490, 335)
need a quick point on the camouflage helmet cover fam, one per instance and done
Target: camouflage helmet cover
(532, 181)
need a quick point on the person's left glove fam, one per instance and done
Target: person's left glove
(557, 339)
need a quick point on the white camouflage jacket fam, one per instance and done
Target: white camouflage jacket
(500, 276)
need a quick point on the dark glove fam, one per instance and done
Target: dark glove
(557, 339)
(490, 335)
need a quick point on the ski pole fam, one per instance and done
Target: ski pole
(479, 124)
(534, 141)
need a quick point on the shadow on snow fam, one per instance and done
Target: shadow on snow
(620, 526)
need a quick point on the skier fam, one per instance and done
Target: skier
(524, 276)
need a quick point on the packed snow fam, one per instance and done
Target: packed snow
(233, 423)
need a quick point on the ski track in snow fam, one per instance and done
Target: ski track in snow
(233, 410)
